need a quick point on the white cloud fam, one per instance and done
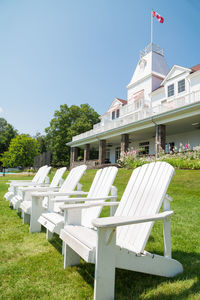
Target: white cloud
(1, 110)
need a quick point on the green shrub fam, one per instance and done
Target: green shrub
(181, 160)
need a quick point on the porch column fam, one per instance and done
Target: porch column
(124, 142)
(160, 139)
(102, 151)
(74, 154)
(86, 152)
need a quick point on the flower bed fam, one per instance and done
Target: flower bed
(184, 158)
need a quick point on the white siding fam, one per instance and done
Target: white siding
(144, 85)
(191, 137)
(195, 83)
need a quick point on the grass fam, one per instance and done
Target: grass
(32, 268)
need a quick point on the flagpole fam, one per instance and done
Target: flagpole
(151, 26)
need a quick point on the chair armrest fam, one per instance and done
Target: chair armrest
(38, 189)
(83, 199)
(168, 197)
(24, 184)
(18, 180)
(54, 194)
(87, 205)
(124, 220)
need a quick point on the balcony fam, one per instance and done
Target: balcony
(130, 114)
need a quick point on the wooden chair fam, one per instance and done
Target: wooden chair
(42, 180)
(26, 202)
(50, 212)
(101, 186)
(14, 184)
(119, 241)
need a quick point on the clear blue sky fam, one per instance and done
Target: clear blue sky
(83, 51)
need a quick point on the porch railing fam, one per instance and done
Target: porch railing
(128, 114)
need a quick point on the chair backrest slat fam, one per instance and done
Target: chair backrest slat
(100, 187)
(143, 196)
(57, 177)
(73, 179)
(44, 174)
(38, 174)
(70, 184)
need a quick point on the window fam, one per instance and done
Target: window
(113, 115)
(117, 113)
(169, 147)
(108, 154)
(117, 153)
(181, 86)
(145, 147)
(170, 90)
(107, 160)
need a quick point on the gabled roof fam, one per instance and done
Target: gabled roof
(117, 102)
(122, 101)
(183, 69)
(192, 70)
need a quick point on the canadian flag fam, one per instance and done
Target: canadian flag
(159, 18)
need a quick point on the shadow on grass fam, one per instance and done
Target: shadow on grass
(19, 213)
(56, 242)
(134, 285)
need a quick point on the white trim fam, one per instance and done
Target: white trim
(172, 69)
(194, 74)
(168, 116)
(138, 81)
(157, 91)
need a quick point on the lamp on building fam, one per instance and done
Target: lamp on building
(196, 125)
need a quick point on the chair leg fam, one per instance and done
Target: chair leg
(63, 248)
(105, 265)
(36, 211)
(26, 218)
(49, 235)
(71, 258)
(167, 238)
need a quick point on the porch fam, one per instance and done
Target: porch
(153, 134)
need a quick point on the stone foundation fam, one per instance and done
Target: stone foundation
(92, 164)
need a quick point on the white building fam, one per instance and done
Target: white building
(162, 110)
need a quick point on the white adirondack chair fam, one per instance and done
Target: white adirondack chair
(100, 188)
(26, 202)
(119, 241)
(17, 199)
(14, 184)
(50, 215)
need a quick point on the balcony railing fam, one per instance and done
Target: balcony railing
(128, 114)
(151, 47)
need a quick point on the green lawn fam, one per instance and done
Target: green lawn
(32, 268)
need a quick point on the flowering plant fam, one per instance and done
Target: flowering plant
(184, 158)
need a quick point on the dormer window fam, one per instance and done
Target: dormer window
(170, 90)
(181, 86)
(113, 115)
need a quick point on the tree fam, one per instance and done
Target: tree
(67, 122)
(21, 152)
(42, 142)
(7, 133)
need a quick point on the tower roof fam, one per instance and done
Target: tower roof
(151, 62)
